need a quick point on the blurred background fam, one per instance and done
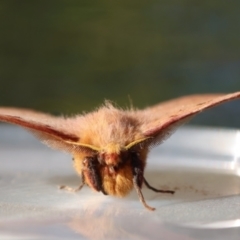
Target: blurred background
(66, 56)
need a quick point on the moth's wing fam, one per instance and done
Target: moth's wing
(159, 121)
(53, 131)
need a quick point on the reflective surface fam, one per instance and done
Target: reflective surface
(201, 164)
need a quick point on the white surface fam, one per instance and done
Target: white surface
(201, 164)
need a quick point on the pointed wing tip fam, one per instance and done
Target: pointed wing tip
(172, 119)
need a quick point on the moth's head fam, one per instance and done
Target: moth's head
(110, 169)
(113, 153)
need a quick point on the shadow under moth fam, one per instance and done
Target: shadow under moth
(110, 145)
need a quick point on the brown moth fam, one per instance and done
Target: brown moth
(110, 145)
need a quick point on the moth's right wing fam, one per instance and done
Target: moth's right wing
(53, 131)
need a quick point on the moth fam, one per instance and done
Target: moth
(110, 145)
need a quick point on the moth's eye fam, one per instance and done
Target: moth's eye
(135, 153)
(138, 147)
(90, 161)
(124, 156)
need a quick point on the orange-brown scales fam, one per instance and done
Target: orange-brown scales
(110, 145)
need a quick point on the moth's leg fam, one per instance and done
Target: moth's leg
(92, 174)
(137, 168)
(156, 190)
(71, 189)
(140, 195)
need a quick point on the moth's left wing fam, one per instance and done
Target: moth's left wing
(160, 120)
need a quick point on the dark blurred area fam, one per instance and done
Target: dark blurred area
(68, 56)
